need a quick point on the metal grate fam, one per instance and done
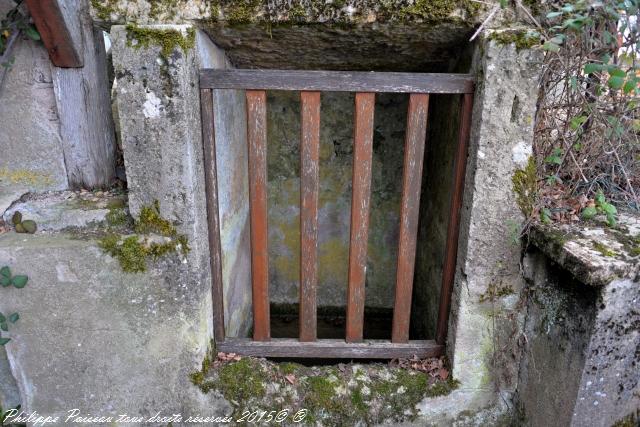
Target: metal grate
(310, 84)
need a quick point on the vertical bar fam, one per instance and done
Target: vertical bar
(411, 182)
(362, 152)
(257, 140)
(451, 250)
(213, 220)
(309, 187)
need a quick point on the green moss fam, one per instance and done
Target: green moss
(522, 39)
(150, 221)
(443, 388)
(168, 39)
(437, 10)
(495, 291)
(104, 8)
(131, 252)
(242, 380)
(240, 11)
(159, 7)
(525, 186)
(603, 249)
(631, 420)
(117, 217)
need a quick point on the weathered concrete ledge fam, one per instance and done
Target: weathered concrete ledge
(582, 333)
(593, 252)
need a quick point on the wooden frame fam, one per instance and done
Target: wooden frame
(310, 83)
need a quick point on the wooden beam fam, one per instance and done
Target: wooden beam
(362, 152)
(453, 229)
(309, 187)
(55, 32)
(213, 214)
(411, 186)
(336, 81)
(330, 348)
(83, 100)
(257, 141)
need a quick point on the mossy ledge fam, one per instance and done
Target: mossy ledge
(336, 395)
(523, 39)
(134, 251)
(168, 39)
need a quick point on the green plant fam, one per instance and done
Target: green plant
(11, 26)
(23, 225)
(601, 206)
(4, 415)
(587, 125)
(6, 280)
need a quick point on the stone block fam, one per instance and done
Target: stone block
(32, 157)
(99, 340)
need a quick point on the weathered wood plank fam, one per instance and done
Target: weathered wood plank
(336, 81)
(330, 348)
(257, 141)
(362, 152)
(453, 229)
(63, 50)
(411, 183)
(309, 187)
(83, 100)
(213, 218)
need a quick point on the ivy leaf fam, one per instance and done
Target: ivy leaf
(5, 281)
(33, 34)
(3, 341)
(593, 67)
(13, 318)
(5, 272)
(629, 86)
(545, 216)
(600, 200)
(551, 47)
(589, 212)
(609, 209)
(576, 122)
(611, 220)
(2, 318)
(555, 158)
(615, 82)
(19, 281)
(4, 326)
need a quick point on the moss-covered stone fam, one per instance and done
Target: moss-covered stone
(523, 39)
(168, 39)
(603, 249)
(332, 395)
(135, 250)
(525, 187)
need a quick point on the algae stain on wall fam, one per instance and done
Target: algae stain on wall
(336, 164)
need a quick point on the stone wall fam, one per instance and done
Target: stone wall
(582, 334)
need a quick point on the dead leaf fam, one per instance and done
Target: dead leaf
(290, 378)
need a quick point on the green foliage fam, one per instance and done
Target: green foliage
(12, 24)
(601, 207)
(7, 279)
(588, 119)
(150, 221)
(23, 225)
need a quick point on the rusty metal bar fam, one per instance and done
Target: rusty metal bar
(213, 219)
(362, 152)
(411, 185)
(451, 249)
(309, 188)
(257, 141)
